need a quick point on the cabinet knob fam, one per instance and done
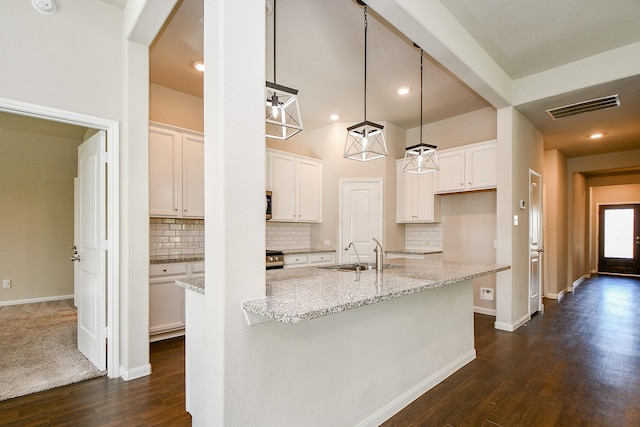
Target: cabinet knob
(176, 209)
(164, 270)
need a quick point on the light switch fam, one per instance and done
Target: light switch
(515, 220)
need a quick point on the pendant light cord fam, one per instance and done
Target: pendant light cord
(366, 25)
(421, 95)
(274, 40)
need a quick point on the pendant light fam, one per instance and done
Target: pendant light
(282, 113)
(365, 141)
(420, 158)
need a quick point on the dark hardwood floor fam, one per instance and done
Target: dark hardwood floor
(576, 364)
(155, 400)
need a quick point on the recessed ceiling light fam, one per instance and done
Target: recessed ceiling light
(596, 135)
(199, 65)
(334, 116)
(403, 90)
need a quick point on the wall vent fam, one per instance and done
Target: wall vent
(598, 104)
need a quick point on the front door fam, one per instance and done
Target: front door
(90, 257)
(619, 239)
(361, 219)
(535, 242)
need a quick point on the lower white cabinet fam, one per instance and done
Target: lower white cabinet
(166, 300)
(308, 259)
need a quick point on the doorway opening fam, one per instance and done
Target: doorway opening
(619, 239)
(111, 198)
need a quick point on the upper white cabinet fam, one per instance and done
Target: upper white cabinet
(467, 168)
(176, 172)
(296, 184)
(415, 199)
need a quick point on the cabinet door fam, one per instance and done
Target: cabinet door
(424, 196)
(481, 165)
(166, 305)
(165, 167)
(309, 190)
(282, 173)
(405, 190)
(192, 176)
(450, 177)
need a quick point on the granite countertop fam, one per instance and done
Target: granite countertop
(195, 284)
(165, 260)
(306, 251)
(300, 294)
(415, 251)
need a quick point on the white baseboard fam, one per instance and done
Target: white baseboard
(139, 372)
(510, 327)
(483, 310)
(580, 280)
(34, 300)
(397, 404)
(159, 336)
(557, 296)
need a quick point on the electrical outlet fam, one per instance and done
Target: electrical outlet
(486, 294)
(6, 283)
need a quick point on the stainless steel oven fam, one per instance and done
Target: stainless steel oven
(275, 259)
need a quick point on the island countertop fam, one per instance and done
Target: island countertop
(301, 294)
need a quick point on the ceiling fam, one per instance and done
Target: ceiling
(320, 51)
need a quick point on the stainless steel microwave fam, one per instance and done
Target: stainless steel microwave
(268, 204)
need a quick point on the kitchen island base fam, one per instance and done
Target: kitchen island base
(357, 367)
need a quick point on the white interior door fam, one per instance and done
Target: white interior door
(536, 247)
(360, 218)
(90, 267)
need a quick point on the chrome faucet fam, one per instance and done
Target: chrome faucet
(354, 249)
(378, 251)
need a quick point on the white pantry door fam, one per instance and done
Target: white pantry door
(89, 269)
(361, 219)
(536, 247)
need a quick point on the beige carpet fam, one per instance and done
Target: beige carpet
(38, 348)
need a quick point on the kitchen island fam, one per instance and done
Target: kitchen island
(363, 344)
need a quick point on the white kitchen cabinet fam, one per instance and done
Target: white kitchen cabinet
(468, 168)
(415, 199)
(176, 172)
(296, 186)
(166, 300)
(308, 259)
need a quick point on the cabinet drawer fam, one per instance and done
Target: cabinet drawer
(321, 258)
(295, 260)
(174, 269)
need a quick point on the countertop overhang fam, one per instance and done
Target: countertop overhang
(301, 294)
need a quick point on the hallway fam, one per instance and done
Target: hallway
(576, 364)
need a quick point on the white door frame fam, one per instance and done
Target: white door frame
(112, 128)
(341, 183)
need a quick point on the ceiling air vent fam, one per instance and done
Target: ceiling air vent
(603, 103)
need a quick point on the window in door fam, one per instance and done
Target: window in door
(619, 239)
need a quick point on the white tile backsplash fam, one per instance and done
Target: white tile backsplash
(288, 235)
(176, 238)
(423, 236)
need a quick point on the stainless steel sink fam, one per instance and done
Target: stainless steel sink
(357, 267)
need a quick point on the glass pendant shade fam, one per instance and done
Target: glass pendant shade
(282, 113)
(420, 158)
(365, 141)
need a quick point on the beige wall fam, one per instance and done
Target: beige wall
(469, 233)
(175, 108)
(579, 214)
(555, 222)
(36, 189)
(608, 195)
(476, 126)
